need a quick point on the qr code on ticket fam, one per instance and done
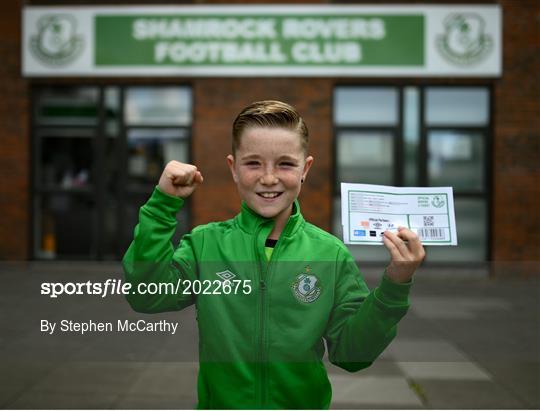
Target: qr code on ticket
(428, 221)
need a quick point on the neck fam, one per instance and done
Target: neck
(280, 223)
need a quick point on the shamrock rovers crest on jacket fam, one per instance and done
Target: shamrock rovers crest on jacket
(306, 287)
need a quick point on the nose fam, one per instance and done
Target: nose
(269, 178)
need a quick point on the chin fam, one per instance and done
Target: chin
(266, 213)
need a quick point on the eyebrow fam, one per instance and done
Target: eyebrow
(256, 157)
(251, 157)
(289, 158)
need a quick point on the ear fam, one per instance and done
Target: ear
(231, 164)
(307, 166)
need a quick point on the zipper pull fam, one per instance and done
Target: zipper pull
(262, 285)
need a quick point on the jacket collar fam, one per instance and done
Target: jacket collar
(250, 221)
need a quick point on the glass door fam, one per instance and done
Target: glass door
(418, 136)
(98, 153)
(455, 140)
(66, 125)
(367, 125)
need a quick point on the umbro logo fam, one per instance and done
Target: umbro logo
(226, 275)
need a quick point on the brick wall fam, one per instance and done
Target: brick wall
(516, 176)
(14, 139)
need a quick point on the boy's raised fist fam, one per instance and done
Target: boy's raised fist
(179, 179)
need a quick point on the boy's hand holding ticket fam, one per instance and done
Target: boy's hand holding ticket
(401, 218)
(406, 253)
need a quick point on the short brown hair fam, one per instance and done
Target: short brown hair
(269, 113)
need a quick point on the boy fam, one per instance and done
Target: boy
(290, 285)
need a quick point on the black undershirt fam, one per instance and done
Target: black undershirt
(270, 243)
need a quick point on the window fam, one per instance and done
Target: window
(367, 129)
(417, 136)
(98, 153)
(456, 137)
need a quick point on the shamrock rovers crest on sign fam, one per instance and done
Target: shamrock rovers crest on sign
(464, 41)
(306, 288)
(56, 42)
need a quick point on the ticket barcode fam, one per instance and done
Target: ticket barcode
(431, 233)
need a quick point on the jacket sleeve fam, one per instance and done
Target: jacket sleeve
(151, 258)
(362, 323)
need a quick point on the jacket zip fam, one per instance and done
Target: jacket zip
(262, 343)
(263, 277)
(262, 292)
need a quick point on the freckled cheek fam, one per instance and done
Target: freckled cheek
(289, 176)
(248, 183)
(291, 179)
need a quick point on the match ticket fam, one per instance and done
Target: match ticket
(367, 211)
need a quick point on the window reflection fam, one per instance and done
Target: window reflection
(456, 159)
(112, 109)
(158, 106)
(151, 149)
(366, 106)
(411, 134)
(67, 106)
(456, 105)
(365, 157)
(66, 158)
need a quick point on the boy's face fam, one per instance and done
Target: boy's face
(268, 169)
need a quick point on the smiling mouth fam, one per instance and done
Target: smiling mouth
(268, 195)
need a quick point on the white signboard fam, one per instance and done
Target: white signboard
(375, 41)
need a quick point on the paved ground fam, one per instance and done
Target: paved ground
(469, 341)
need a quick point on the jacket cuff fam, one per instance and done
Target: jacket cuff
(393, 294)
(163, 205)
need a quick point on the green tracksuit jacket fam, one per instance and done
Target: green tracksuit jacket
(263, 348)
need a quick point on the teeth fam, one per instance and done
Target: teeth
(269, 195)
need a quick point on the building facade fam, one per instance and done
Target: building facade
(80, 153)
